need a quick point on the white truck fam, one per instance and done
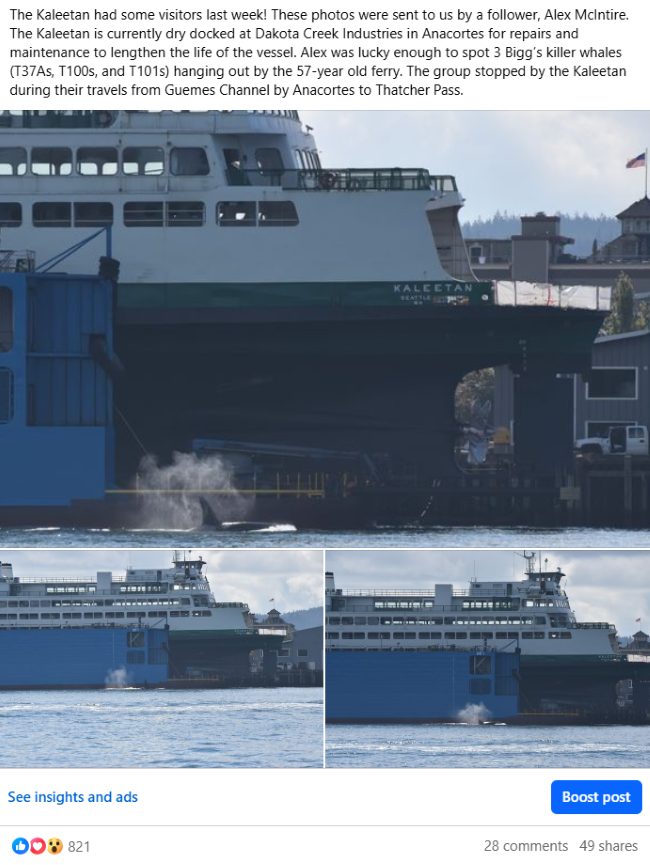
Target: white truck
(625, 439)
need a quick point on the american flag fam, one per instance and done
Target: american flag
(636, 162)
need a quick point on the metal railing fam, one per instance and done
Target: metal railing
(343, 179)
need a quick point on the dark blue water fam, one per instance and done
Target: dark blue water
(447, 746)
(253, 728)
(287, 537)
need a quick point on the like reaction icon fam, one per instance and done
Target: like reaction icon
(20, 846)
(38, 846)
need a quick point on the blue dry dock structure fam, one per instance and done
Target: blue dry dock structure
(144, 628)
(305, 325)
(508, 651)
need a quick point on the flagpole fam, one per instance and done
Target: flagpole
(646, 172)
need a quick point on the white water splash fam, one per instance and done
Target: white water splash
(176, 489)
(117, 679)
(474, 714)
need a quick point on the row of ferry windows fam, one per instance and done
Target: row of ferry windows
(152, 214)
(154, 614)
(505, 604)
(448, 635)
(559, 621)
(103, 161)
(172, 602)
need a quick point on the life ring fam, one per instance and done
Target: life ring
(106, 118)
(329, 180)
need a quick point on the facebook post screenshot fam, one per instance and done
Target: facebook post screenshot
(324, 430)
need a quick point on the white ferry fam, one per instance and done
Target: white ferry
(533, 614)
(205, 635)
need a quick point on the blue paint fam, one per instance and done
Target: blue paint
(420, 686)
(596, 797)
(57, 439)
(82, 657)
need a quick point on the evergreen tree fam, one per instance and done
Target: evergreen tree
(623, 318)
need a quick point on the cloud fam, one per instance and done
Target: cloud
(519, 161)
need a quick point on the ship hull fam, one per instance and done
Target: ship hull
(218, 653)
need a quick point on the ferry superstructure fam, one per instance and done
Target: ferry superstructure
(205, 635)
(268, 299)
(533, 614)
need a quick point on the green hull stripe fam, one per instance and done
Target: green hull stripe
(305, 294)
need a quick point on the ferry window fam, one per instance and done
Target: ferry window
(6, 397)
(513, 635)
(384, 635)
(23, 603)
(539, 635)
(332, 635)
(135, 640)
(98, 615)
(334, 620)
(480, 665)
(357, 636)
(235, 214)
(449, 621)
(97, 161)
(185, 214)
(118, 615)
(527, 635)
(52, 214)
(553, 635)
(386, 621)
(189, 162)
(300, 159)
(143, 214)
(612, 384)
(436, 621)
(410, 635)
(23, 616)
(398, 620)
(269, 160)
(6, 319)
(502, 635)
(461, 635)
(143, 161)
(566, 635)
(13, 161)
(93, 214)
(450, 635)
(347, 635)
(11, 214)
(302, 653)
(88, 615)
(359, 620)
(373, 620)
(398, 635)
(347, 620)
(540, 620)
(52, 161)
(436, 635)
(316, 158)
(373, 635)
(424, 635)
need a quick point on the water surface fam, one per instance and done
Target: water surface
(235, 728)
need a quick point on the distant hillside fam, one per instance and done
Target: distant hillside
(302, 619)
(584, 228)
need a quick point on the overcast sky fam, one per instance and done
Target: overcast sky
(293, 578)
(519, 161)
(601, 586)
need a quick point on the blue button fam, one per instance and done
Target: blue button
(596, 797)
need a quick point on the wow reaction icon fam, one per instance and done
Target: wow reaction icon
(54, 845)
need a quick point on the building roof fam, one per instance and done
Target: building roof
(639, 208)
(614, 336)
